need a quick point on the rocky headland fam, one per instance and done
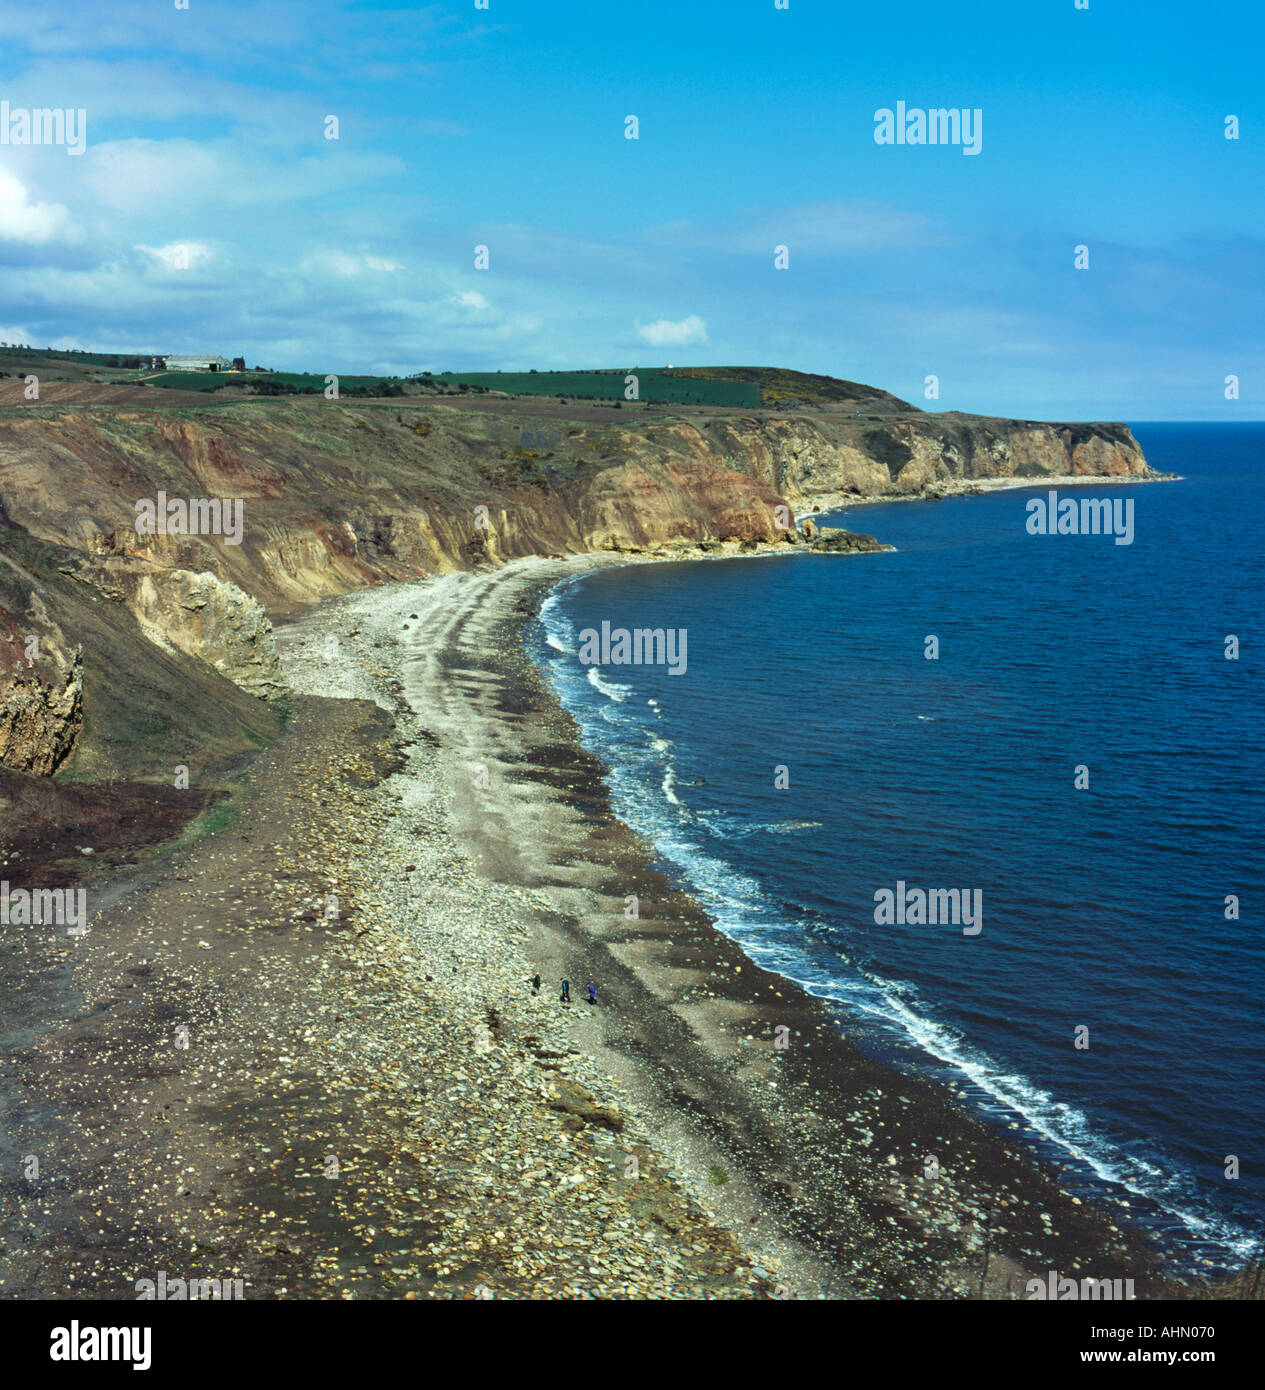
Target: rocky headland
(338, 495)
(257, 757)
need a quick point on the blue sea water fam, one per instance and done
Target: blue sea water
(1104, 908)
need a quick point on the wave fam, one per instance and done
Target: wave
(725, 827)
(611, 689)
(779, 937)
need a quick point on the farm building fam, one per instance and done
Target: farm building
(198, 364)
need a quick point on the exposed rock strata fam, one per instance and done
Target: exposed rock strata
(39, 720)
(339, 495)
(211, 619)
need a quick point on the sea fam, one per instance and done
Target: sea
(1080, 745)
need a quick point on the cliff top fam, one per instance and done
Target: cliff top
(742, 388)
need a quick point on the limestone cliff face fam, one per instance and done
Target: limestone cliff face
(335, 496)
(804, 456)
(208, 618)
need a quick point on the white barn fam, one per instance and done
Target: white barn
(198, 364)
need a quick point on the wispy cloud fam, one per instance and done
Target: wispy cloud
(665, 333)
(823, 228)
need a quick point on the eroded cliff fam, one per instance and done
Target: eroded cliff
(332, 496)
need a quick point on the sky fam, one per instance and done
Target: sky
(210, 211)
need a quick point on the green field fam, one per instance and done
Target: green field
(204, 381)
(87, 359)
(654, 385)
(732, 388)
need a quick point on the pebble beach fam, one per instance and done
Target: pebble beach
(301, 1048)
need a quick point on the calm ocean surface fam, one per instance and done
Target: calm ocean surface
(1103, 908)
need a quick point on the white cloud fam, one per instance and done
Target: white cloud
(179, 255)
(342, 264)
(472, 299)
(127, 175)
(36, 224)
(665, 333)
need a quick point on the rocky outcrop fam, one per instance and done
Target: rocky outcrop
(211, 619)
(40, 720)
(41, 687)
(86, 693)
(833, 540)
(581, 1107)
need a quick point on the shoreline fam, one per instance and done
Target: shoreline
(691, 1038)
(493, 1156)
(1182, 1255)
(903, 1054)
(967, 487)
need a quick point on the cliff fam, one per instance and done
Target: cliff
(155, 647)
(84, 692)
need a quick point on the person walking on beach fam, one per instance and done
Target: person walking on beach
(592, 994)
(566, 991)
(535, 984)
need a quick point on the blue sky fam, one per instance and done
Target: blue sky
(209, 212)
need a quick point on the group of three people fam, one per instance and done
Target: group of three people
(566, 990)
